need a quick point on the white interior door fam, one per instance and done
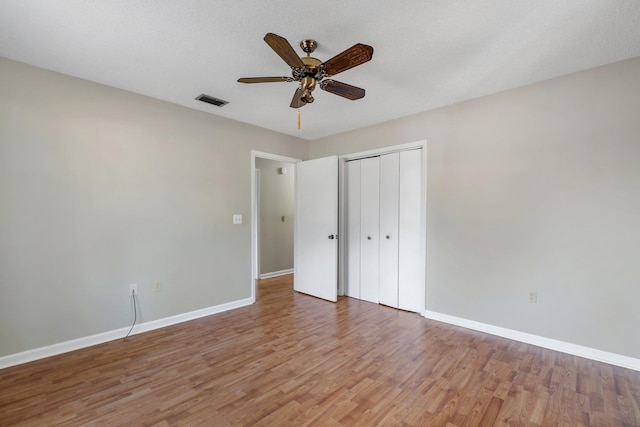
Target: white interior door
(369, 228)
(316, 227)
(389, 186)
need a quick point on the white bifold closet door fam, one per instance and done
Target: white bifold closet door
(369, 228)
(383, 212)
(389, 209)
(352, 214)
(410, 256)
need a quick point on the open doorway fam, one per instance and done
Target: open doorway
(275, 210)
(273, 202)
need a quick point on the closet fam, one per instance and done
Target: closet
(383, 198)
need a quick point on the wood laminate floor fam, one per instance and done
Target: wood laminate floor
(293, 360)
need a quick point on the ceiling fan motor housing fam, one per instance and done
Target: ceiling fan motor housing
(310, 73)
(311, 66)
(311, 69)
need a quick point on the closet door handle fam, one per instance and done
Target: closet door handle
(388, 237)
(368, 237)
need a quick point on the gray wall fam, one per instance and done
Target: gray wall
(536, 188)
(276, 201)
(100, 188)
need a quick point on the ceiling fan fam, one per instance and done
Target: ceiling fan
(312, 72)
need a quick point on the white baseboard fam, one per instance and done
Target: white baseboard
(276, 273)
(564, 347)
(76, 344)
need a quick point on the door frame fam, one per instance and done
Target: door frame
(342, 248)
(255, 273)
(257, 222)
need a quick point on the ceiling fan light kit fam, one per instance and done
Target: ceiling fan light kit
(310, 72)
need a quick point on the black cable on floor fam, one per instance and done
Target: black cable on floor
(135, 315)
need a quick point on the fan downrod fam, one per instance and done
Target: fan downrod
(308, 46)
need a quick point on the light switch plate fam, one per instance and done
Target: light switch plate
(237, 218)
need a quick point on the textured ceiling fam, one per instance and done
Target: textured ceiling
(427, 53)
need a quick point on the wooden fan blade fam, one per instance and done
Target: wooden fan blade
(342, 89)
(297, 101)
(355, 55)
(281, 46)
(264, 79)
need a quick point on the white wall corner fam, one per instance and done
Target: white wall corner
(548, 343)
(79, 343)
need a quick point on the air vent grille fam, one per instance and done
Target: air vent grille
(212, 100)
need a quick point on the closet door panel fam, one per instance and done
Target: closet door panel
(369, 228)
(352, 189)
(410, 277)
(389, 198)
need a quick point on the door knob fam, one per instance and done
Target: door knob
(368, 237)
(388, 237)
(331, 236)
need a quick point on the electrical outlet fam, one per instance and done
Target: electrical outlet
(133, 289)
(533, 297)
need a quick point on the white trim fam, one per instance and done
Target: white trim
(386, 150)
(423, 224)
(549, 343)
(256, 225)
(254, 216)
(276, 273)
(276, 157)
(76, 344)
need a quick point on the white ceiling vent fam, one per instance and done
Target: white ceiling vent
(212, 100)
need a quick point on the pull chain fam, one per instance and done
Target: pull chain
(298, 118)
